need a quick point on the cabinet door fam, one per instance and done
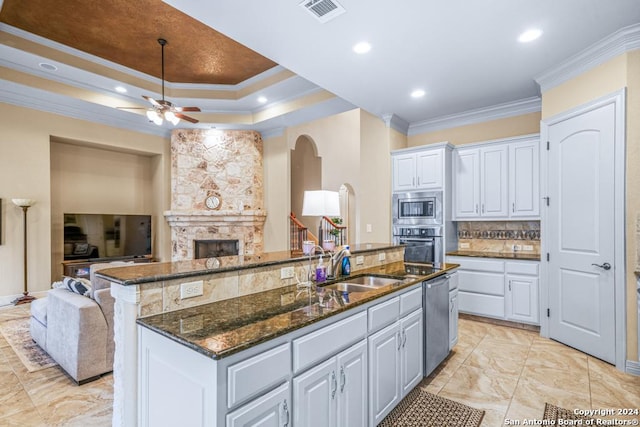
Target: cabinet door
(429, 172)
(271, 410)
(404, 172)
(467, 183)
(524, 179)
(522, 298)
(453, 318)
(352, 386)
(384, 372)
(412, 351)
(315, 394)
(494, 193)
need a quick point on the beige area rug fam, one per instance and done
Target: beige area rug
(556, 413)
(423, 409)
(17, 334)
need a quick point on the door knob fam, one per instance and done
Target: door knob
(605, 266)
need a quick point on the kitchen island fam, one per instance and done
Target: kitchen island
(148, 289)
(279, 355)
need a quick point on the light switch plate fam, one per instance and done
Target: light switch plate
(191, 289)
(368, 228)
(527, 247)
(463, 246)
(382, 256)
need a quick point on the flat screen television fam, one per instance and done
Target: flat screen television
(95, 236)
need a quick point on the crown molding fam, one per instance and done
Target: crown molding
(397, 123)
(479, 115)
(272, 133)
(622, 41)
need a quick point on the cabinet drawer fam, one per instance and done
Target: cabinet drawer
(410, 301)
(384, 314)
(483, 283)
(321, 344)
(529, 268)
(485, 305)
(482, 265)
(255, 375)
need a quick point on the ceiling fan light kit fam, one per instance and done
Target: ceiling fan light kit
(162, 109)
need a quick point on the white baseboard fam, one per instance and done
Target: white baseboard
(633, 367)
(7, 299)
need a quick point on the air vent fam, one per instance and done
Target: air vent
(323, 10)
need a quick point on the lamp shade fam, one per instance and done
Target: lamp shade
(321, 203)
(23, 202)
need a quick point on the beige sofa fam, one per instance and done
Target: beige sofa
(77, 331)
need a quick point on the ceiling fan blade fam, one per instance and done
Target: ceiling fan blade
(132, 108)
(152, 101)
(187, 118)
(187, 109)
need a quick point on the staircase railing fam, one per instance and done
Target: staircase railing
(298, 233)
(334, 231)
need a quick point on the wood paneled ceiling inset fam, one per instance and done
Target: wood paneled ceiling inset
(126, 32)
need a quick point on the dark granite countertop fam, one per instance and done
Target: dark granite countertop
(159, 271)
(527, 256)
(226, 327)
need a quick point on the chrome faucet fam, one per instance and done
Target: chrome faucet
(335, 262)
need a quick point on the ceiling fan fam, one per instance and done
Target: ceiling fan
(161, 109)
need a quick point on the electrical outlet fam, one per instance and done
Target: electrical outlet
(527, 247)
(382, 256)
(517, 248)
(191, 289)
(359, 260)
(287, 272)
(463, 245)
(368, 228)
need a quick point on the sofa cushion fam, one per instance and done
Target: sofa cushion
(39, 310)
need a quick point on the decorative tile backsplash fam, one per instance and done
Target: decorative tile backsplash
(499, 236)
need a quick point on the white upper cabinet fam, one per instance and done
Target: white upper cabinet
(524, 178)
(419, 170)
(497, 180)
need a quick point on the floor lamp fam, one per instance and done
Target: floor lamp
(321, 203)
(24, 204)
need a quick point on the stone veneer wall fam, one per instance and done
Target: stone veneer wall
(499, 236)
(226, 164)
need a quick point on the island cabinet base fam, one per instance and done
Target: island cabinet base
(322, 374)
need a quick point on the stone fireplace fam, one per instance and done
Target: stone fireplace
(226, 167)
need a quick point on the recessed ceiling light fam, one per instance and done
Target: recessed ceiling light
(121, 89)
(47, 66)
(262, 99)
(362, 47)
(529, 35)
(418, 93)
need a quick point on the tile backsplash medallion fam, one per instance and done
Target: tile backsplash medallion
(499, 236)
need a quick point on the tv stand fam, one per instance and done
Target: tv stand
(80, 267)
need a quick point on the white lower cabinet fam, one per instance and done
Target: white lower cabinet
(453, 318)
(270, 410)
(334, 393)
(522, 292)
(395, 364)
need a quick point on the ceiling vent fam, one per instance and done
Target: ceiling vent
(323, 10)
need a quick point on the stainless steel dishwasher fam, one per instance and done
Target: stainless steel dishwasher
(436, 322)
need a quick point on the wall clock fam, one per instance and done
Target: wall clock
(212, 202)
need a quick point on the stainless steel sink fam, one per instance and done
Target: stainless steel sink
(362, 283)
(371, 281)
(349, 287)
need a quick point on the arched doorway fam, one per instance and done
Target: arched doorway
(306, 174)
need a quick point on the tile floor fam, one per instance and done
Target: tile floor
(508, 372)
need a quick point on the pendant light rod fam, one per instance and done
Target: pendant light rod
(162, 43)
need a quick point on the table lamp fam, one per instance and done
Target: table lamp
(321, 203)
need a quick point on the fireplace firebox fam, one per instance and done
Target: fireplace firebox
(215, 248)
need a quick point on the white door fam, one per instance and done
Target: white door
(271, 410)
(384, 372)
(412, 351)
(581, 230)
(467, 183)
(429, 169)
(352, 389)
(314, 393)
(493, 181)
(404, 172)
(524, 178)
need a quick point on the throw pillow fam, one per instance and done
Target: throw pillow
(77, 285)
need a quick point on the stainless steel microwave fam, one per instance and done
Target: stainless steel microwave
(417, 208)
